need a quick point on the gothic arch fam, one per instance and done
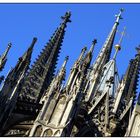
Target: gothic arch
(48, 133)
(57, 132)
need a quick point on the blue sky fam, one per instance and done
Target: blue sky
(19, 23)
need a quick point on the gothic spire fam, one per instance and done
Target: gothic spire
(56, 82)
(74, 70)
(3, 58)
(41, 73)
(105, 52)
(25, 60)
(9, 92)
(102, 58)
(20, 68)
(88, 57)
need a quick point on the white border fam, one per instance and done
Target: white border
(69, 1)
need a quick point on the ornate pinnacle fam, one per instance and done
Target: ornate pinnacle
(65, 61)
(7, 50)
(118, 17)
(29, 51)
(66, 18)
(93, 45)
(32, 45)
(3, 58)
(84, 49)
(82, 53)
(33, 42)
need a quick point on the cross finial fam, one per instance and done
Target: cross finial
(66, 17)
(119, 15)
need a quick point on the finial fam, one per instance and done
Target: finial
(84, 49)
(7, 50)
(9, 45)
(119, 15)
(118, 46)
(94, 41)
(34, 41)
(32, 44)
(82, 53)
(65, 61)
(67, 16)
(93, 45)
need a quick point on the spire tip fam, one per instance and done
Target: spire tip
(94, 41)
(66, 17)
(66, 58)
(35, 39)
(9, 44)
(122, 9)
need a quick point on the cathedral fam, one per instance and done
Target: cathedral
(36, 101)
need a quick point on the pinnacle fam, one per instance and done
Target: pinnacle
(94, 41)
(66, 17)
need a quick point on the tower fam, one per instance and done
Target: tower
(98, 121)
(101, 60)
(41, 73)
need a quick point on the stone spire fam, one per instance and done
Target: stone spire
(102, 58)
(74, 69)
(88, 57)
(21, 67)
(9, 91)
(3, 58)
(57, 80)
(41, 73)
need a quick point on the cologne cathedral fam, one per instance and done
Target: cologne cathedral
(35, 101)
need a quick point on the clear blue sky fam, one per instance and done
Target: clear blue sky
(19, 23)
